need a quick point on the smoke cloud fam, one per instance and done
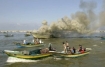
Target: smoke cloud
(81, 22)
(103, 6)
(102, 15)
(44, 27)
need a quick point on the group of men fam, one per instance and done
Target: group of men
(69, 50)
(34, 41)
(37, 41)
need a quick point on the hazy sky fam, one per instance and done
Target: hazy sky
(29, 14)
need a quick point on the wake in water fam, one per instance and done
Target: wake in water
(14, 60)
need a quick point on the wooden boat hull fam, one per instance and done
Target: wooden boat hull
(23, 45)
(27, 35)
(8, 35)
(72, 55)
(20, 55)
(42, 36)
(33, 57)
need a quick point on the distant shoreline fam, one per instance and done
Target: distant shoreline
(16, 31)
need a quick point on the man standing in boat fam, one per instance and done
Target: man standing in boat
(68, 48)
(64, 45)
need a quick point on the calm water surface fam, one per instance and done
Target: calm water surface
(96, 58)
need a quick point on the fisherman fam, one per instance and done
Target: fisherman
(37, 40)
(45, 50)
(68, 47)
(50, 47)
(81, 50)
(24, 41)
(64, 45)
(40, 41)
(74, 50)
(67, 44)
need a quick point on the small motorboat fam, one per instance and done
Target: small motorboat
(70, 55)
(19, 45)
(35, 54)
(8, 35)
(74, 55)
